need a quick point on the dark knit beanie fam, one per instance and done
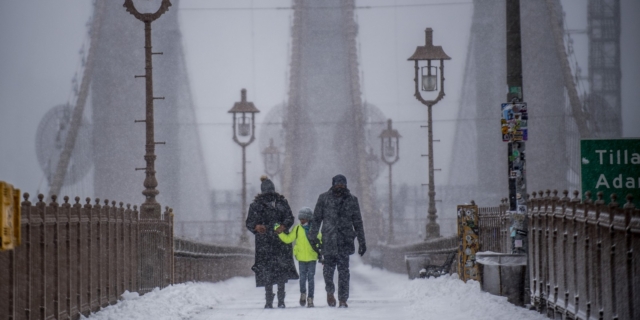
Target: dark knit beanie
(339, 179)
(267, 186)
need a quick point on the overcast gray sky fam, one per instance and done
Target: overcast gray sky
(227, 50)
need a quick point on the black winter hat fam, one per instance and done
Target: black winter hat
(267, 186)
(339, 179)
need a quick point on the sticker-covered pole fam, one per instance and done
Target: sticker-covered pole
(517, 119)
(514, 82)
(517, 126)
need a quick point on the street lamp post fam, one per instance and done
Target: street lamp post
(271, 156)
(430, 53)
(390, 154)
(150, 209)
(373, 165)
(244, 113)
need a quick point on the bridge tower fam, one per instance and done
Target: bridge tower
(479, 154)
(604, 100)
(325, 118)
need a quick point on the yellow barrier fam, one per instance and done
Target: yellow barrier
(9, 217)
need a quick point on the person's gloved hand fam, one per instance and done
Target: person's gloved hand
(362, 248)
(260, 229)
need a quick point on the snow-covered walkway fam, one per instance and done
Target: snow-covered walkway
(375, 294)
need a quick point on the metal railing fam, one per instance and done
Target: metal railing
(74, 259)
(204, 262)
(493, 230)
(78, 258)
(584, 257)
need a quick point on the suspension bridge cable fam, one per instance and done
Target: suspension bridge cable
(443, 4)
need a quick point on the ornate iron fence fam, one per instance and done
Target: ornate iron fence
(74, 259)
(78, 258)
(493, 230)
(584, 257)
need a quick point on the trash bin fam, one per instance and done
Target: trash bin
(503, 274)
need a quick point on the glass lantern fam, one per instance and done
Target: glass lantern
(430, 80)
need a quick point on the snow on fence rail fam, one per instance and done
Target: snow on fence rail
(77, 258)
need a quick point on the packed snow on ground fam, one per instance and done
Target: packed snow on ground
(375, 294)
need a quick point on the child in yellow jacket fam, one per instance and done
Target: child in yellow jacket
(305, 255)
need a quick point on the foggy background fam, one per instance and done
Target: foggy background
(229, 45)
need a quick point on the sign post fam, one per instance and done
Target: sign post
(610, 166)
(9, 217)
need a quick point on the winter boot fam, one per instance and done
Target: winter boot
(303, 299)
(343, 304)
(331, 300)
(269, 304)
(309, 302)
(281, 300)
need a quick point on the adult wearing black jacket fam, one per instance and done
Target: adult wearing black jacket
(339, 213)
(274, 259)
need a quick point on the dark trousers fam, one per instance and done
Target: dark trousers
(269, 291)
(307, 272)
(330, 263)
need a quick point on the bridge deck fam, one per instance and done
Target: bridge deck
(375, 294)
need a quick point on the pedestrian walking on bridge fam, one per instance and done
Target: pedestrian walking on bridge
(305, 255)
(273, 258)
(338, 212)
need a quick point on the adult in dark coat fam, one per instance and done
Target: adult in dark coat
(339, 213)
(274, 259)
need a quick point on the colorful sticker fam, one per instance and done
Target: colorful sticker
(514, 121)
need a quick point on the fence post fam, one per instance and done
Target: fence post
(23, 302)
(120, 272)
(533, 281)
(573, 284)
(150, 252)
(66, 268)
(126, 241)
(620, 273)
(80, 262)
(608, 259)
(170, 244)
(633, 261)
(111, 254)
(135, 261)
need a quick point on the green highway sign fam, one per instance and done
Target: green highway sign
(611, 166)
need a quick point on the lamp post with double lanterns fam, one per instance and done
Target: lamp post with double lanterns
(244, 126)
(150, 209)
(426, 79)
(271, 156)
(390, 154)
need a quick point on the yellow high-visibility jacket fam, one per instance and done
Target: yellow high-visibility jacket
(302, 249)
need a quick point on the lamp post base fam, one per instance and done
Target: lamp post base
(433, 230)
(150, 211)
